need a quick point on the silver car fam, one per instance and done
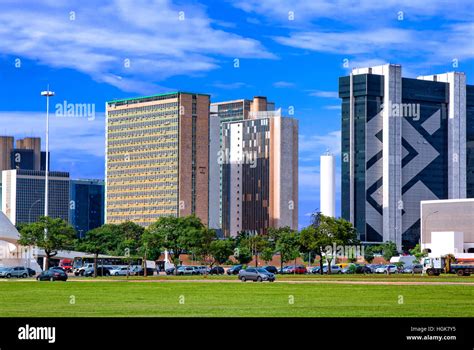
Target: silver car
(17, 271)
(120, 271)
(256, 274)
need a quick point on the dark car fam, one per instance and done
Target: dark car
(170, 271)
(217, 270)
(271, 269)
(363, 269)
(234, 270)
(101, 271)
(31, 272)
(139, 271)
(58, 268)
(52, 275)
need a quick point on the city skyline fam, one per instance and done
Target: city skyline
(264, 39)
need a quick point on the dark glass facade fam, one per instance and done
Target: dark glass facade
(86, 206)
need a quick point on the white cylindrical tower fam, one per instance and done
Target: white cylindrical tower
(327, 188)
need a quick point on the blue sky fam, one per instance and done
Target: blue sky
(291, 51)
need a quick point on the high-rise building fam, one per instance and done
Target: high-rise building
(222, 112)
(403, 141)
(23, 195)
(86, 205)
(157, 157)
(6, 147)
(258, 161)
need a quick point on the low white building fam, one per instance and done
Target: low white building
(447, 227)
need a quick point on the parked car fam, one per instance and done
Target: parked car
(256, 274)
(335, 269)
(234, 270)
(16, 271)
(31, 272)
(351, 268)
(139, 271)
(170, 271)
(413, 269)
(101, 271)
(363, 269)
(387, 269)
(217, 270)
(202, 270)
(298, 269)
(120, 271)
(315, 269)
(52, 275)
(271, 269)
(187, 270)
(58, 268)
(81, 270)
(66, 264)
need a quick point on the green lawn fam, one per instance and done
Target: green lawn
(32, 299)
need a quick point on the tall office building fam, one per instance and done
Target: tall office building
(221, 112)
(157, 157)
(403, 141)
(86, 205)
(258, 161)
(23, 195)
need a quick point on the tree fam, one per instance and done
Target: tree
(203, 246)
(389, 250)
(254, 242)
(243, 255)
(267, 254)
(274, 234)
(288, 245)
(100, 240)
(59, 236)
(314, 239)
(176, 234)
(324, 233)
(418, 254)
(221, 249)
(128, 238)
(369, 254)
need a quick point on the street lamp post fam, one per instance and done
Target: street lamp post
(29, 212)
(47, 94)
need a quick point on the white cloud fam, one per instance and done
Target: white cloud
(102, 37)
(325, 94)
(313, 144)
(75, 137)
(283, 84)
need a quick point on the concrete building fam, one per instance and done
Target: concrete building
(259, 172)
(221, 112)
(447, 226)
(23, 195)
(327, 185)
(403, 141)
(157, 157)
(86, 205)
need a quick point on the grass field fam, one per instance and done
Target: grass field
(120, 298)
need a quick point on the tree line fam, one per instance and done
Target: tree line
(188, 235)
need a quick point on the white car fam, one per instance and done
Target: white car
(81, 270)
(120, 271)
(187, 270)
(386, 269)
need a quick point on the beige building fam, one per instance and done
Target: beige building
(157, 157)
(258, 160)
